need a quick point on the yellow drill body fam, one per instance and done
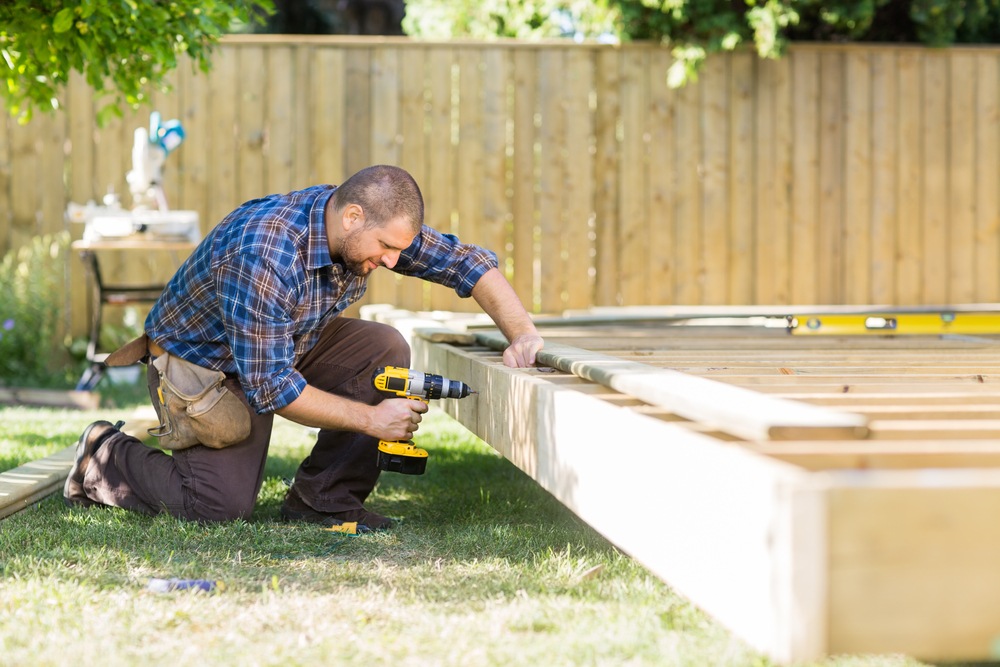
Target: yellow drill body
(402, 455)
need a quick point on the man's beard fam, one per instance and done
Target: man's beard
(348, 256)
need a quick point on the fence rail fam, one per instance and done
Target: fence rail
(836, 175)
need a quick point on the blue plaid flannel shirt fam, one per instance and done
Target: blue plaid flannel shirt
(257, 291)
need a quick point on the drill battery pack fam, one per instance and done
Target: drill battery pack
(402, 457)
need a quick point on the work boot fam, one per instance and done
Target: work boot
(92, 438)
(295, 509)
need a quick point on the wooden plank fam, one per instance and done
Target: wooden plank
(633, 222)
(884, 172)
(301, 136)
(327, 116)
(193, 159)
(606, 168)
(782, 176)
(358, 110)
(385, 146)
(962, 271)
(751, 557)
(689, 254)
(495, 209)
(766, 232)
(279, 104)
(740, 191)
(31, 482)
(909, 232)
(987, 174)
(414, 151)
(250, 176)
(858, 178)
(830, 222)
(935, 218)
(715, 82)
(440, 190)
(222, 144)
(729, 408)
(578, 188)
(552, 180)
(927, 587)
(524, 202)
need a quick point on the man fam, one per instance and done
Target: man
(259, 300)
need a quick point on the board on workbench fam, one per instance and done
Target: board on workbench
(880, 534)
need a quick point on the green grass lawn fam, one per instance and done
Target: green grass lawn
(485, 569)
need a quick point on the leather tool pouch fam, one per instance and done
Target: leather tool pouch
(195, 408)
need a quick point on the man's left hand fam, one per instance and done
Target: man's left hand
(522, 350)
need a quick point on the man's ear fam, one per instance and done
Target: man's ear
(352, 216)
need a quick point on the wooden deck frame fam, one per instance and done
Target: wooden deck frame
(802, 548)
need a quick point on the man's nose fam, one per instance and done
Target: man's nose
(389, 259)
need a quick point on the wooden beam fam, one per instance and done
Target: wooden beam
(752, 556)
(731, 409)
(33, 481)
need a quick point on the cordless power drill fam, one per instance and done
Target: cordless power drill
(402, 456)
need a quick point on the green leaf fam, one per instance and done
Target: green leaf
(64, 20)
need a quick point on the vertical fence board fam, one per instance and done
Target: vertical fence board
(385, 148)
(357, 110)
(857, 178)
(253, 91)
(607, 257)
(782, 176)
(439, 194)
(884, 156)
(741, 181)
(715, 181)
(222, 143)
(551, 180)
(279, 148)
(690, 242)
(578, 188)
(935, 179)
(962, 274)
(495, 207)
(830, 288)
(805, 242)
(662, 182)
(765, 224)
(987, 175)
(326, 150)
(909, 232)
(192, 156)
(633, 240)
(523, 181)
(413, 151)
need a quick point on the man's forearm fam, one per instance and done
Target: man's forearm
(498, 300)
(496, 296)
(319, 409)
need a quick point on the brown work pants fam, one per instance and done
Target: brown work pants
(205, 484)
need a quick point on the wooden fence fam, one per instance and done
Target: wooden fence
(836, 175)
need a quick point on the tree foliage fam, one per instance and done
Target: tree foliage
(696, 28)
(523, 19)
(123, 48)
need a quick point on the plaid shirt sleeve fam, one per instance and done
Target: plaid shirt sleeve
(443, 259)
(260, 328)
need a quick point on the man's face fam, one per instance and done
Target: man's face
(364, 250)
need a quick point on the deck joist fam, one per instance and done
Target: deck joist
(852, 509)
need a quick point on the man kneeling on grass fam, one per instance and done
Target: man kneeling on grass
(249, 327)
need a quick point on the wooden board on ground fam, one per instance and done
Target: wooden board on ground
(882, 542)
(36, 480)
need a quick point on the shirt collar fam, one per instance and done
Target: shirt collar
(318, 249)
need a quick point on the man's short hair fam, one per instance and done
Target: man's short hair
(385, 193)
